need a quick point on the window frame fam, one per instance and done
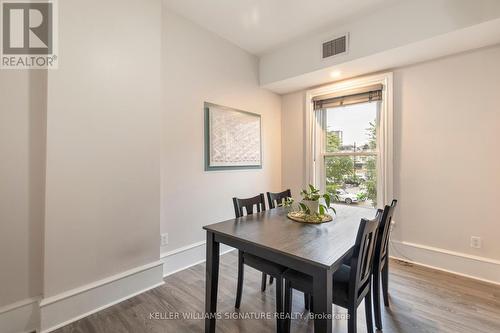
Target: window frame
(315, 159)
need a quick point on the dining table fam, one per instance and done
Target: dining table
(314, 249)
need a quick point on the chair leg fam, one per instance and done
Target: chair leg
(306, 301)
(271, 279)
(376, 300)
(351, 323)
(368, 312)
(385, 282)
(279, 305)
(263, 283)
(288, 306)
(239, 287)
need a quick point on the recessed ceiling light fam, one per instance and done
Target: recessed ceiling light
(335, 74)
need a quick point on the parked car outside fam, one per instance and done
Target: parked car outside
(346, 197)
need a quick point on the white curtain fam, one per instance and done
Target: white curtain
(384, 158)
(385, 169)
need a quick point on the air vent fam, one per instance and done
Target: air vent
(335, 47)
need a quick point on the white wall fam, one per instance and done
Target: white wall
(103, 135)
(22, 178)
(80, 172)
(447, 126)
(447, 129)
(388, 28)
(293, 147)
(198, 66)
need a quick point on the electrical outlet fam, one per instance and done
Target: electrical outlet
(475, 242)
(164, 239)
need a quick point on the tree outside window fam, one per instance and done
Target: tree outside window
(351, 167)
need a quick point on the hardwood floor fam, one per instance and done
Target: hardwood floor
(422, 300)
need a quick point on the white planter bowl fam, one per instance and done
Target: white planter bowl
(312, 205)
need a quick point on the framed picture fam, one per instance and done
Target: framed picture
(232, 138)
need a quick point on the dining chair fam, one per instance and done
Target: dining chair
(351, 284)
(381, 262)
(265, 266)
(276, 199)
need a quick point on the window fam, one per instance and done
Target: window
(349, 140)
(349, 153)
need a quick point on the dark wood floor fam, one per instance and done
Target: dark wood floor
(422, 300)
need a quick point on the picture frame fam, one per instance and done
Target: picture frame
(233, 138)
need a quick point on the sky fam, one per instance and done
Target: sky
(353, 120)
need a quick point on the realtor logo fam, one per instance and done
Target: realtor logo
(28, 34)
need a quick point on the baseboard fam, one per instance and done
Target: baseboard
(474, 267)
(20, 317)
(67, 307)
(187, 256)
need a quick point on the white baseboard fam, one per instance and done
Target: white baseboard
(20, 317)
(187, 256)
(474, 267)
(67, 307)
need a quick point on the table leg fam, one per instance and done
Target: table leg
(211, 283)
(322, 301)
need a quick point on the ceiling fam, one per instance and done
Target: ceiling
(258, 26)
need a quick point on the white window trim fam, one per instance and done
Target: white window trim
(385, 163)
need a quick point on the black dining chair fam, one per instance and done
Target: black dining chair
(381, 262)
(265, 266)
(351, 284)
(276, 199)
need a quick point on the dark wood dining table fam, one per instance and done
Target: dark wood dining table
(314, 249)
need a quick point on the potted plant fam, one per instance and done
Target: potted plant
(287, 204)
(314, 203)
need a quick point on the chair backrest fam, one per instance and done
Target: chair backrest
(384, 233)
(248, 204)
(364, 250)
(276, 199)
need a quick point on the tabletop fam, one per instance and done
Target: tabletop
(318, 244)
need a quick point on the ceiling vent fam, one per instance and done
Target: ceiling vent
(335, 46)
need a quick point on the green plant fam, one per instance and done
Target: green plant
(362, 196)
(332, 188)
(338, 168)
(371, 182)
(371, 166)
(287, 203)
(352, 180)
(312, 194)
